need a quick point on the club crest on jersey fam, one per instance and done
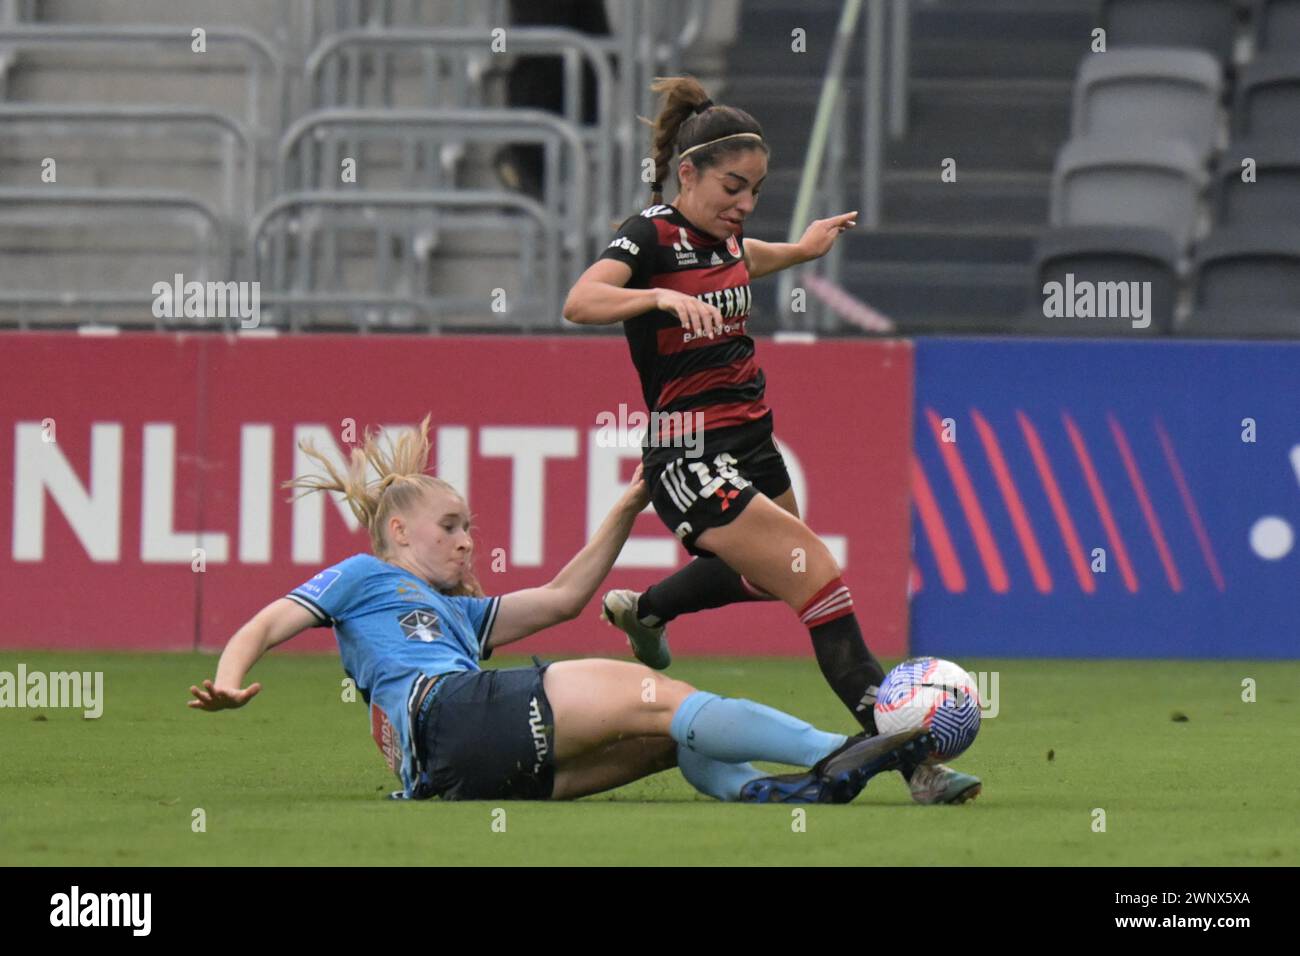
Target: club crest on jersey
(733, 246)
(421, 625)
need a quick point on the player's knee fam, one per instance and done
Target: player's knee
(665, 693)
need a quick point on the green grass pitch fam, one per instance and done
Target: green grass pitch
(294, 777)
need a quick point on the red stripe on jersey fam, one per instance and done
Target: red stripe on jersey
(676, 339)
(736, 373)
(713, 416)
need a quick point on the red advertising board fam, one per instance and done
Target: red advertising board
(122, 455)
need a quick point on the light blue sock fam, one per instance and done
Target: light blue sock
(713, 777)
(734, 730)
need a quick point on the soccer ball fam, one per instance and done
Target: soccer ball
(935, 694)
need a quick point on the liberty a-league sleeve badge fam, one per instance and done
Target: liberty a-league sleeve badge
(733, 246)
(420, 624)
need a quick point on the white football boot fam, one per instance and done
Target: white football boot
(935, 783)
(649, 644)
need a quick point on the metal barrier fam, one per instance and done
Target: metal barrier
(643, 55)
(214, 243)
(276, 259)
(239, 165)
(572, 46)
(566, 202)
(574, 224)
(821, 182)
(262, 54)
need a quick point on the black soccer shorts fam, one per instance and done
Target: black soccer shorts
(708, 490)
(489, 735)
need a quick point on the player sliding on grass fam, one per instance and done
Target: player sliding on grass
(677, 277)
(412, 625)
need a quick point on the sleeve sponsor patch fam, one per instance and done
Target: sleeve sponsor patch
(321, 582)
(385, 734)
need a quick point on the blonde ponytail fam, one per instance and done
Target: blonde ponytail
(402, 485)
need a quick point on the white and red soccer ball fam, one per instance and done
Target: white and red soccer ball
(935, 694)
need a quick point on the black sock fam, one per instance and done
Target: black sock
(850, 669)
(704, 583)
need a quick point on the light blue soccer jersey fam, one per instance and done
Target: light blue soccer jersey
(392, 628)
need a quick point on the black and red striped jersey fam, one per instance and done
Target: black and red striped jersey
(681, 371)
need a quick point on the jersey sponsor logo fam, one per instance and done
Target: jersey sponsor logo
(727, 329)
(623, 242)
(711, 484)
(385, 734)
(716, 260)
(321, 582)
(686, 255)
(538, 730)
(730, 302)
(420, 625)
(683, 529)
(409, 590)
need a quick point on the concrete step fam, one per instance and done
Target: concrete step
(220, 87)
(980, 202)
(929, 295)
(1002, 124)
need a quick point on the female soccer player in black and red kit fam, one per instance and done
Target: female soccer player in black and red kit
(677, 276)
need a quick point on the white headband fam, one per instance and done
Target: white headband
(718, 140)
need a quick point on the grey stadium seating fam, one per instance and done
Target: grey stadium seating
(1268, 96)
(1162, 93)
(1208, 25)
(1129, 182)
(1277, 25)
(1274, 196)
(1247, 282)
(1101, 254)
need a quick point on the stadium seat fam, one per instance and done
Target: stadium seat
(1208, 25)
(1277, 25)
(1104, 254)
(1268, 96)
(1241, 323)
(1247, 281)
(1275, 193)
(1162, 93)
(1132, 181)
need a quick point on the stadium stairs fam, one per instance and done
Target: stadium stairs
(990, 86)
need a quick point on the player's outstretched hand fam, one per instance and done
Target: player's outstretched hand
(821, 235)
(221, 698)
(638, 492)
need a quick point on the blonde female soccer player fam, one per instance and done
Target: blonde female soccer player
(677, 278)
(413, 626)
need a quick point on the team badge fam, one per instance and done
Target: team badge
(421, 625)
(733, 246)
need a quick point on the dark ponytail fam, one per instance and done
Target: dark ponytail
(688, 118)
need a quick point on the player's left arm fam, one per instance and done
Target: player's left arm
(764, 258)
(533, 609)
